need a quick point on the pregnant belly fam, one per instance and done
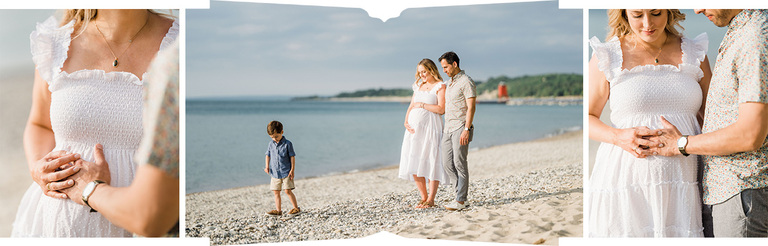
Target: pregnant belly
(417, 117)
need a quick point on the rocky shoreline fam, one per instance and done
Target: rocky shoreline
(390, 212)
(528, 192)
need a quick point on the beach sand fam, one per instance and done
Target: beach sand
(528, 192)
(15, 101)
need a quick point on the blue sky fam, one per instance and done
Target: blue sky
(14, 39)
(250, 49)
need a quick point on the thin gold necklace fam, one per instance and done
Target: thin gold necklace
(130, 41)
(655, 58)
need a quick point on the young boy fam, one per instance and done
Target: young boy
(280, 164)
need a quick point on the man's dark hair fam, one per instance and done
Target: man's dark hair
(274, 127)
(450, 57)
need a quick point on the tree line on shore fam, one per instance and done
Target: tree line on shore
(545, 85)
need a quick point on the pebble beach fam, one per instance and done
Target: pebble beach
(529, 193)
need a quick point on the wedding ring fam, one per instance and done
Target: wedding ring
(48, 186)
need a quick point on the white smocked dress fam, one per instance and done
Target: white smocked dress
(655, 196)
(420, 153)
(87, 107)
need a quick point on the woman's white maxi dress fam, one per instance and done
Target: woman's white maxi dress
(654, 196)
(420, 153)
(87, 107)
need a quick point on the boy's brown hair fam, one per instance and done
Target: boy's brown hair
(274, 127)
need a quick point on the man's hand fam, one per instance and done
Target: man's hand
(665, 140)
(90, 171)
(464, 140)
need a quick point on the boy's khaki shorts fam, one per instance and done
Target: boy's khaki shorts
(282, 184)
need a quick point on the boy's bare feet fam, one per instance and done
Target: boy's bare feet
(275, 213)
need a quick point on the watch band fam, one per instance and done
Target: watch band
(89, 188)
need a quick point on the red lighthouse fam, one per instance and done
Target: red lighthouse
(503, 95)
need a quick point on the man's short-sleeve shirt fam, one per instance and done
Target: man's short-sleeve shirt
(740, 76)
(459, 88)
(160, 144)
(280, 154)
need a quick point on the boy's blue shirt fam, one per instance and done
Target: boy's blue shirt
(280, 158)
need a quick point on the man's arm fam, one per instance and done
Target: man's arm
(747, 134)
(148, 207)
(464, 140)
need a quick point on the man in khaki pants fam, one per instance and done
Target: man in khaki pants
(460, 97)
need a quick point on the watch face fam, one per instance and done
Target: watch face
(88, 190)
(682, 142)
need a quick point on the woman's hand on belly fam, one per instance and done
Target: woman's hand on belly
(665, 140)
(633, 140)
(408, 127)
(52, 172)
(97, 170)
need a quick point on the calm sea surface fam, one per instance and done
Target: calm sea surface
(227, 140)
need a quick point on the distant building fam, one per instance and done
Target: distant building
(503, 94)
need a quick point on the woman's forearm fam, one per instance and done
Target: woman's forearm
(38, 132)
(148, 207)
(407, 112)
(38, 141)
(410, 107)
(434, 108)
(599, 131)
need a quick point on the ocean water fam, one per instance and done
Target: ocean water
(227, 139)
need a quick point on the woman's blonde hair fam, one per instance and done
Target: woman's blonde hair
(618, 23)
(83, 16)
(431, 68)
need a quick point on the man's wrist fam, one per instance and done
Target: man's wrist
(682, 143)
(88, 191)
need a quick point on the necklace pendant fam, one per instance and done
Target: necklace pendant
(656, 60)
(114, 64)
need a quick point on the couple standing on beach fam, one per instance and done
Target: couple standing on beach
(644, 182)
(431, 151)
